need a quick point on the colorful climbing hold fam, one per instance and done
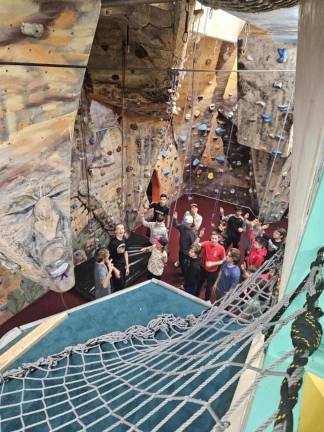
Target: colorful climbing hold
(164, 154)
(182, 138)
(283, 55)
(232, 191)
(210, 175)
(276, 153)
(283, 108)
(166, 171)
(278, 84)
(220, 159)
(195, 162)
(261, 103)
(220, 131)
(280, 137)
(267, 118)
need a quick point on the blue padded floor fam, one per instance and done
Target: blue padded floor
(122, 394)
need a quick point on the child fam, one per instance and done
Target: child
(192, 275)
(158, 258)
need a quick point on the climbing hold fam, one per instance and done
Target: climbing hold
(202, 128)
(278, 84)
(212, 107)
(283, 108)
(230, 114)
(166, 171)
(271, 135)
(220, 131)
(276, 153)
(200, 98)
(210, 175)
(238, 163)
(133, 126)
(251, 190)
(220, 170)
(182, 138)
(129, 168)
(284, 174)
(232, 191)
(263, 148)
(261, 103)
(188, 116)
(176, 179)
(195, 162)
(74, 205)
(280, 137)
(208, 62)
(32, 29)
(118, 149)
(220, 159)
(267, 118)
(164, 154)
(210, 82)
(249, 58)
(197, 113)
(283, 55)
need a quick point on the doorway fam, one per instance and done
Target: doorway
(154, 188)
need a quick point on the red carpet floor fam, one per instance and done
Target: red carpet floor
(52, 303)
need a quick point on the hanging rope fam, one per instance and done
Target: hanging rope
(306, 334)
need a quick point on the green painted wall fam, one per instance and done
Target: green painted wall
(268, 392)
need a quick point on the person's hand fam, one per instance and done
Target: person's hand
(127, 271)
(117, 273)
(110, 264)
(221, 211)
(175, 215)
(264, 227)
(254, 222)
(240, 230)
(202, 232)
(243, 266)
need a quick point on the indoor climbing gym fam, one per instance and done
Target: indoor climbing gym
(161, 205)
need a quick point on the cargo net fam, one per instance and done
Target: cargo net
(175, 374)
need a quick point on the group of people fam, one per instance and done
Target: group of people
(213, 264)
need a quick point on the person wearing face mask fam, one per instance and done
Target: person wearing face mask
(118, 252)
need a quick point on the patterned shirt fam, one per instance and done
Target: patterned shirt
(157, 261)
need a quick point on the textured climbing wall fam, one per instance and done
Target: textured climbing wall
(265, 116)
(38, 107)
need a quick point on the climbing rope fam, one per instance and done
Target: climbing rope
(306, 334)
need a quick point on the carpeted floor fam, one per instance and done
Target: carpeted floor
(52, 302)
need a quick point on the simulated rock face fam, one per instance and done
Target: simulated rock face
(266, 83)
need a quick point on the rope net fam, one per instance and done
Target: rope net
(173, 374)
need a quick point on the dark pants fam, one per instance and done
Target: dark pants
(151, 276)
(184, 262)
(210, 278)
(192, 290)
(118, 284)
(235, 241)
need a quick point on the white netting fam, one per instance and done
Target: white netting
(174, 374)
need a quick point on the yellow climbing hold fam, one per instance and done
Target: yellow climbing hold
(210, 175)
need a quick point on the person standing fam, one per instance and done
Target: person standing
(158, 258)
(275, 242)
(230, 273)
(103, 270)
(118, 252)
(160, 209)
(234, 227)
(213, 255)
(197, 218)
(158, 230)
(188, 235)
(258, 250)
(192, 275)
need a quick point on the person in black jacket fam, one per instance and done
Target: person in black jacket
(192, 275)
(188, 235)
(234, 227)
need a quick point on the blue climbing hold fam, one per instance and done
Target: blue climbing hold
(283, 108)
(276, 153)
(182, 138)
(74, 205)
(202, 127)
(176, 179)
(220, 131)
(278, 84)
(196, 162)
(164, 153)
(267, 118)
(283, 55)
(220, 159)
(166, 171)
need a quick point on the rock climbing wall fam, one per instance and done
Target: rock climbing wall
(44, 52)
(266, 85)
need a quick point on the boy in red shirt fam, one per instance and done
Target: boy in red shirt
(213, 255)
(258, 250)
